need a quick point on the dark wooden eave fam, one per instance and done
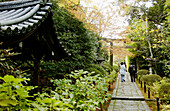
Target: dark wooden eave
(21, 19)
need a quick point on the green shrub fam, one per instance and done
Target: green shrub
(164, 88)
(164, 92)
(161, 89)
(106, 68)
(111, 67)
(93, 70)
(13, 94)
(113, 72)
(150, 79)
(116, 68)
(142, 72)
(112, 76)
(99, 68)
(78, 41)
(83, 95)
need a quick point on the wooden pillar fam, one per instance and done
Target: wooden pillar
(36, 74)
(111, 54)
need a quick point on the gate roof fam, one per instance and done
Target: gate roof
(20, 17)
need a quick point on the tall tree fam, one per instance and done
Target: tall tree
(103, 21)
(155, 30)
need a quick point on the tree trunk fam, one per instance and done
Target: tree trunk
(137, 64)
(150, 47)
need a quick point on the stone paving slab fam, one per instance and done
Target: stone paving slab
(127, 97)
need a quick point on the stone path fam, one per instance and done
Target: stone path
(127, 97)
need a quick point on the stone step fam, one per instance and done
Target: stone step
(129, 98)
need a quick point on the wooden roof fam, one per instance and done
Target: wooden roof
(21, 19)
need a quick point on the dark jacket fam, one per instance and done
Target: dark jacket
(131, 69)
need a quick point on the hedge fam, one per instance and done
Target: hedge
(142, 72)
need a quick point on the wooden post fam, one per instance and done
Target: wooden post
(148, 92)
(36, 74)
(111, 54)
(109, 82)
(145, 87)
(109, 86)
(157, 102)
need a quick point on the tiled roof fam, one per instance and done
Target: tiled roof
(20, 17)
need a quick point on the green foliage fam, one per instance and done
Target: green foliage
(167, 8)
(114, 72)
(166, 69)
(150, 79)
(161, 89)
(111, 67)
(156, 10)
(86, 93)
(13, 94)
(7, 66)
(90, 69)
(107, 67)
(138, 35)
(111, 77)
(116, 68)
(52, 101)
(49, 70)
(79, 43)
(142, 72)
(99, 68)
(150, 33)
(164, 88)
(83, 94)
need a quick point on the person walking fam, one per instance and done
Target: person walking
(122, 71)
(132, 72)
(124, 64)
